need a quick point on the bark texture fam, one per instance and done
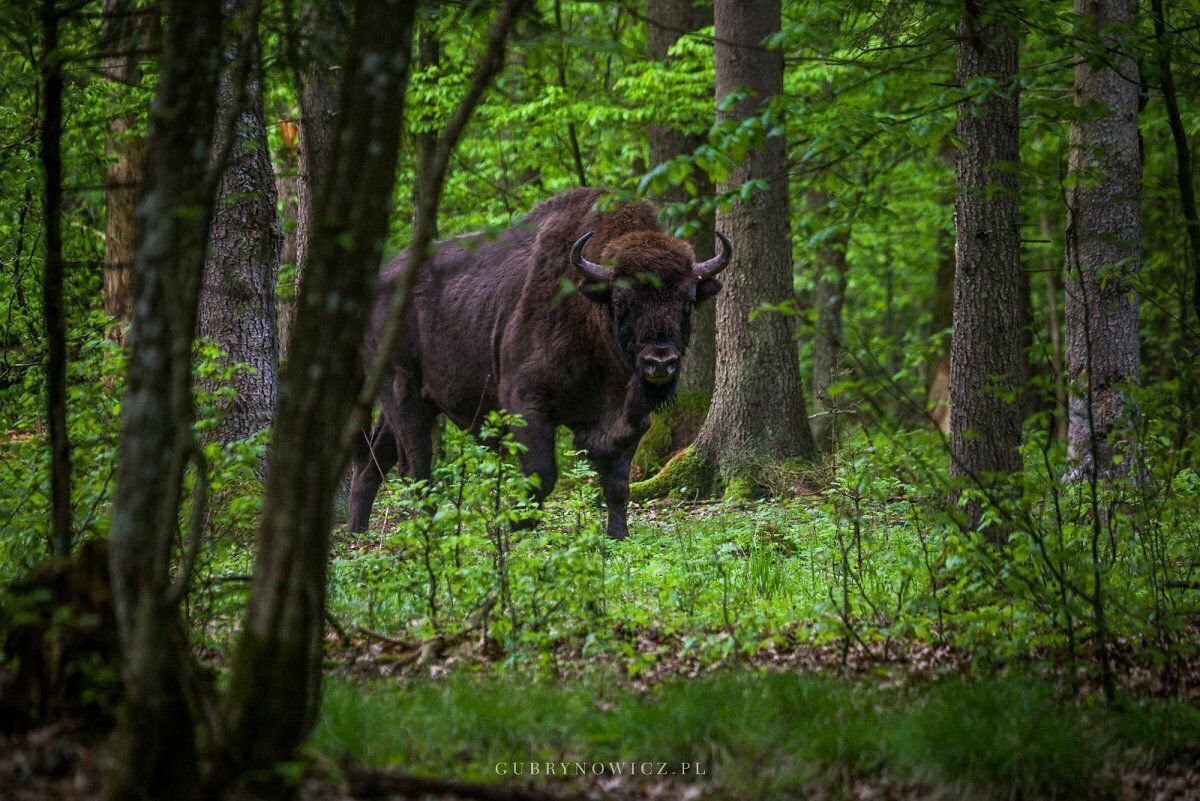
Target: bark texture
(667, 21)
(155, 755)
(125, 33)
(237, 302)
(828, 296)
(1104, 252)
(757, 415)
(323, 27)
(287, 187)
(276, 674)
(985, 353)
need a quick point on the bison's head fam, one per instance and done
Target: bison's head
(651, 283)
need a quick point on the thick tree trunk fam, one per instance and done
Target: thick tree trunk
(757, 415)
(667, 21)
(156, 746)
(985, 354)
(275, 681)
(1104, 252)
(237, 302)
(53, 310)
(828, 297)
(125, 32)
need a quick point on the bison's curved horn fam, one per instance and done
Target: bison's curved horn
(709, 269)
(590, 269)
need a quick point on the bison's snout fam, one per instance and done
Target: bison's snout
(659, 364)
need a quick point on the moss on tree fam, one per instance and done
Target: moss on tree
(672, 429)
(688, 474)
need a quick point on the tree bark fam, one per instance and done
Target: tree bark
(323, 27)
(424, 141)
(757, 415)
(287, 187)
(156, 745)
(125, 32)
(1104, 174)
(276, 674)
(53, 311)
(828, 297)
(666, 22)
(237, 302)
(985, 352)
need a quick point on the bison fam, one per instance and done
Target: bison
(491, 327)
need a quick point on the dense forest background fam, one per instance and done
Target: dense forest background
(921, 518)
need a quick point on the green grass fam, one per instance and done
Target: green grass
(761, 735)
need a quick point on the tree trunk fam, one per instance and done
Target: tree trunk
(53, 311)
(424, 141)
(1104, 178)
(828, 296)
(937, 399)
(287, 187)
(757, 415)
(666, 22)
(126, 31)
(276, 674)
(323, 26)
(156, 745)
(237, 302)
(985, 352)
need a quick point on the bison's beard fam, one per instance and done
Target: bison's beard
(655, 396)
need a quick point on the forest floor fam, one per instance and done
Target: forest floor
(766, 650)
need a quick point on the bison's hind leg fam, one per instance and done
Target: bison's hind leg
(376, 454)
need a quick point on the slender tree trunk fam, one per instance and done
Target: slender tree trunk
(757, 415)
(125, 32)
(424, 141)
(324, 27)
(985, 352)
(1183, 152)
(156, 745)
(1054, 336)
(53, 311)
(275, 681)
(287, 187)
(667, 21)
(237, 302)
(828, 297)
(1104, 231)
(937, 399)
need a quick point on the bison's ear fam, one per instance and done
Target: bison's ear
(706, 289)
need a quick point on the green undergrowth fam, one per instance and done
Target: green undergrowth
(759, 735)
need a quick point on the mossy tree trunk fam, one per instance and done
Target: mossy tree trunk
(757, 417)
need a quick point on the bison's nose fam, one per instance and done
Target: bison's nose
(659, 368)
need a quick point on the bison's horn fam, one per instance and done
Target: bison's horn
(709, 269)
(592, 270)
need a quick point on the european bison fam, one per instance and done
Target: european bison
(490, 327)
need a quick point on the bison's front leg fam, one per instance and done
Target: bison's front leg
(537, 435)
(614, 480)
